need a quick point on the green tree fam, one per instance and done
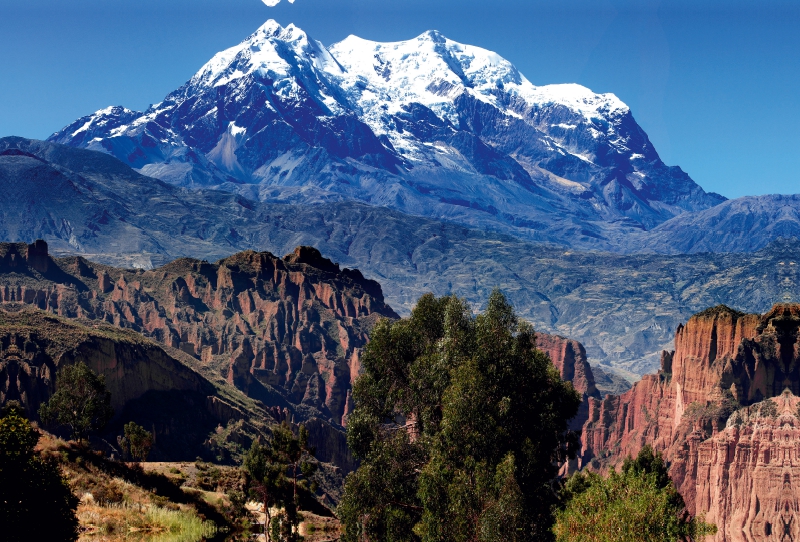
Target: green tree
(80, 401)
(265, 480)
(294, 451)
(35, 500)
(637, 504)
(266, 468)
(136, 441)
(459, 423)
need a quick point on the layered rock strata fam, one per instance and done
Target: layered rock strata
(747, 477)
(286, 331)
(706, 410)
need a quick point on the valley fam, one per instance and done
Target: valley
(247, 266)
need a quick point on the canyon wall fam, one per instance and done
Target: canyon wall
(285, 331)
(747, 477)
(723, 411)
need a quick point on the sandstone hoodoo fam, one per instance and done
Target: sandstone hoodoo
(286, 331)
(723, 410)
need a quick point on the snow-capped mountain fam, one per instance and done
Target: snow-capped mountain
(427, 126)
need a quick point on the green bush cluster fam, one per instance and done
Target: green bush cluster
(637, 504)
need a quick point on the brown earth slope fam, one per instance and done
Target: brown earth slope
(147, 384)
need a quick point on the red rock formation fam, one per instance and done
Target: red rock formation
(747, 477)
(569, 357)
(286, 331)
(723, 360)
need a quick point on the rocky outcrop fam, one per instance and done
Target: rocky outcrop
(569, 357)
(147, 384)
(746, 478)
(286, 331)
(700, 373)
(710, 410)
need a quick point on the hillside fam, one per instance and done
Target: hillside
(624, 309)
(147, 385)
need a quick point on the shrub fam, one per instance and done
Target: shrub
(638, 504)
(35, 500)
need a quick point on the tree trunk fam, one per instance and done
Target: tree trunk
(267, 521)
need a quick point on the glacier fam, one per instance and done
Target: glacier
(428, 126)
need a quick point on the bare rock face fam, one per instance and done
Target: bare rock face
(286, 331)
(723, 411)
(147, 384)
(569, 357)
(747, 477)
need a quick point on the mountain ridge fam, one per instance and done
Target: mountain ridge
(623, 309)
(427, 126)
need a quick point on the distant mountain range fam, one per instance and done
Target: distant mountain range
(428, 126)
(427, 164)
(624, 309)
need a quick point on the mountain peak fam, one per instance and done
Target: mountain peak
(270, 27)
(433, 35)
(270, 49)
(273, 29)
(449, 129)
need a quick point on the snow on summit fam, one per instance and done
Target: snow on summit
(429, 69)
(427, 125)
(270, 49)
(432, 70)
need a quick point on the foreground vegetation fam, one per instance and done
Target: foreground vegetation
(637, 504)
(459, 423)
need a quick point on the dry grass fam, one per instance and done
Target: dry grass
(134, 522)
(125, 502)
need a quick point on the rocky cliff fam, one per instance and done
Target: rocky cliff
(702, 411)
(746, 477)
(286, 331)
(569, 357)
(147, 384)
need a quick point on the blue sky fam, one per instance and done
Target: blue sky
(714, 83)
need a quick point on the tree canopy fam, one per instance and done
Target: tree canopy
(459, 424)
(80, 401)
(136, 441)
(272, 478)
(637, 504)
(35, 500)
